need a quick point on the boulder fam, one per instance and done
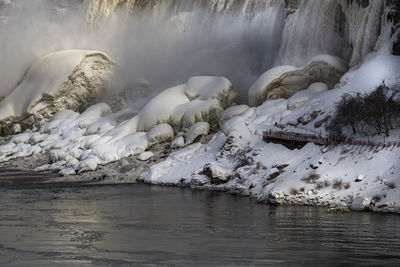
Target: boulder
(198, 129)
(285, 81)
(217, 174)
(69, 79)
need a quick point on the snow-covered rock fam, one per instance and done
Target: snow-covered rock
(198, 129)
(178, 142)
(160, 133)
(145, 155)
(360, 178)
(98, 136)
(231, 112)
(68, 79)
(217, 174)
(302, 97)
(361, 203)
(331, 183)
(274, 173)
(285, 81)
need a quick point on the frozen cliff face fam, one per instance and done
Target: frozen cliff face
(168, 41)
(69, 79)
(344, 28)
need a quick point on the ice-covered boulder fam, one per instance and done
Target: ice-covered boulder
(82, 142)
(210, 87)
(198, 129)
(144, 156)
(285, 81)
(231, 112)
(160, 133)
(301, 97)
(201, 99)
(217, 174)
(69, 79)
(361, 203)
(178, 142)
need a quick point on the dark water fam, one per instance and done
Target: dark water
(55, 224)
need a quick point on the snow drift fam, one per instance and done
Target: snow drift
(237, 159)
(80, 142)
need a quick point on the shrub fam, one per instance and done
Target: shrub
(376, 198)
(346, 185)
(294, 191)
(391, 185)
(376, 113)
(337, 184)
(311, 178)
(323, 184)
(240, 157)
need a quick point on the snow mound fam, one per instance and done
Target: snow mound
(285, 81)
(302, 97)
(78, 143)
(69, 79)
(198, 129)
(238, 160)
(160, 133)
(231, 112)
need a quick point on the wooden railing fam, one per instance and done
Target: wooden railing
(295, 139)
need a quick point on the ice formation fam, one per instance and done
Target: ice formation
(302, 97)
(285, 81)
(236, 39)
(80, 142)
(344, 176)
(70, 79)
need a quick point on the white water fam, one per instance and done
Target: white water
(166, 42)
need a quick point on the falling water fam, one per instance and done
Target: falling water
(167, 41)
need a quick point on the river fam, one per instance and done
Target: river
(45, 222)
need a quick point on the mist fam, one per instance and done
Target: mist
(160, 46)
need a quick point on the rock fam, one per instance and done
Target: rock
(145, 156)
(197, 129)
(274, 173)
(281, 166)
(318, 164)
(36, 138)
(16, 128)
(69, 79)
(360, 178)
(67, 172)
(160, 133)
(178, 142)
(361, 204)
(217, 174)
(303, 96)
(88, 165)
(200, 180)
(209, 87)
(231, 112)
(72, 163)
(285, 81)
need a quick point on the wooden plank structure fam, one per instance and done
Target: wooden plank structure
(294, 140)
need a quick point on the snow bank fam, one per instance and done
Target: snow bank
(78, 143)
(231, 112)
(302, 97)
(284, 81)
(239, 161)
(68, 79)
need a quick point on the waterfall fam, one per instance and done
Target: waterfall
(167, 41)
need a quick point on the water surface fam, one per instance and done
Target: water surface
(47, 223)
